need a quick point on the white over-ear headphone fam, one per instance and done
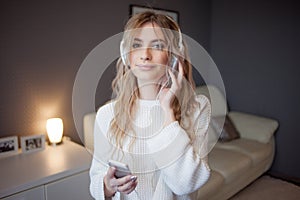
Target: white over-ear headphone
(124, 53)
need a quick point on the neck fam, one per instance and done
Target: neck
(148, 91)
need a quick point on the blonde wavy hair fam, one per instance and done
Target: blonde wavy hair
(125, 85)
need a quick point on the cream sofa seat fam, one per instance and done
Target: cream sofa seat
(237, 163)
(234, 164)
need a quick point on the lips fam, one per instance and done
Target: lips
(145, 67)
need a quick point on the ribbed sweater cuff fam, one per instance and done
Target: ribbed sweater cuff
(98, 187)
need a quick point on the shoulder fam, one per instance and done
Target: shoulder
(203, 101)
(202, 112)
(104, 115)
(106, 109)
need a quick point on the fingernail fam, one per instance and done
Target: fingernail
(133, 178)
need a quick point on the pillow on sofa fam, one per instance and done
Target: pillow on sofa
(254, 127)
(229, 132)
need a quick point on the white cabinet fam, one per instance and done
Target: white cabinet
(56, 173)
(32, 194)
(71, 188)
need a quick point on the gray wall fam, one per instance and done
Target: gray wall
(255, 45)
(43, 44)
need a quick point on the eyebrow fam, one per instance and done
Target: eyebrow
(153, 41)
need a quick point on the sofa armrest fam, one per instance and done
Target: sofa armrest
(254, 127)
(88, 130)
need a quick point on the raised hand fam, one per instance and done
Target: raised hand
(167, 95)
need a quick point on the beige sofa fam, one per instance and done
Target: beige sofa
(234, 164)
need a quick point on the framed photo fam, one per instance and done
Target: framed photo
(32, 143)
(8, 146)
(134, 9)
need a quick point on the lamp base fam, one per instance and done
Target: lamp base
(54, 144)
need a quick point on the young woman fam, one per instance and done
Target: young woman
(156, 124)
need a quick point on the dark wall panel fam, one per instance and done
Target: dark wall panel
(256, 47)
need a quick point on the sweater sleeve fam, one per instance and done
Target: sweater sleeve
(97, 173)
(98, 169)
(183, 163)
(99, 165)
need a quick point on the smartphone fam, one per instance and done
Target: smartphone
(174, 68)
(121, 168)
(174, 63)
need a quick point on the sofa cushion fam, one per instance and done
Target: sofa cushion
(229, 163)
(254, 127)
(228, 130)
(257, 151)
(215, 181)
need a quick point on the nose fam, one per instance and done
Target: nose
(145, 54)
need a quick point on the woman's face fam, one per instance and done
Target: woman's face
(148, 56)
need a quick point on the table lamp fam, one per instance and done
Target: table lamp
(55, 128)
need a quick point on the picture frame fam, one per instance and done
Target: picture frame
(8, 146)
(32, 143)
(134, 9)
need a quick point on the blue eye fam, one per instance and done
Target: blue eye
(159, 46)
(136, 45)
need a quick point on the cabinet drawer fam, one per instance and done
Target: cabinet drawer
(75, 187)
(35, 193)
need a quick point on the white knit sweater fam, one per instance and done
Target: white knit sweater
(167, 165)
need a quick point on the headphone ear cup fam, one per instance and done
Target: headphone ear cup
(180, 42)
(181, 49)
(123, 56)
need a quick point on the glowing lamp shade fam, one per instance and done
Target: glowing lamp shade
(55, 130)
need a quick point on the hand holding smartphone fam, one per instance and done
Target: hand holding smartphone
(114, 181)
(121, 168)
(166, 81)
